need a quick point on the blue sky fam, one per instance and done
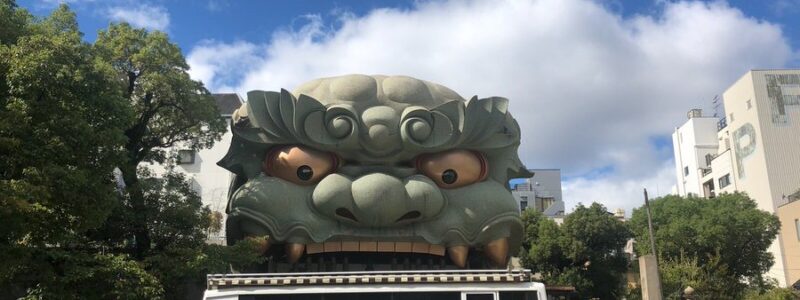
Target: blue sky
(597, 86)
(191, 22)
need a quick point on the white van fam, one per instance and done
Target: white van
(412, 285)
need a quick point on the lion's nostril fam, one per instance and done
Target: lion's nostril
(409, 216)
(345, 213)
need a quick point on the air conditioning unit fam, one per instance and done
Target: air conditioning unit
(694, 113)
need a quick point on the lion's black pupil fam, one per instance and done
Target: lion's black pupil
(449, 176)
(304, 172)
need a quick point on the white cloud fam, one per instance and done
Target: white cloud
(58, 2)
(142, 15)
(48, 5)
(590, 88)
(220, 66)
(619, 191)
(216, 5)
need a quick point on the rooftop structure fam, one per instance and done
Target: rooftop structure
(541, 192)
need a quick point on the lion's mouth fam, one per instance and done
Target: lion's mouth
(373, 246)
(381, 255)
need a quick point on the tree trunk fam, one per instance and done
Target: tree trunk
(140, 230)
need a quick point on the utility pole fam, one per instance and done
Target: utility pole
(648, 264)
(650, 226)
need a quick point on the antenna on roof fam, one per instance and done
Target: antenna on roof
(716, 103)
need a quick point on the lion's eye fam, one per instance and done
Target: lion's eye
(300, 165)
(452, 169)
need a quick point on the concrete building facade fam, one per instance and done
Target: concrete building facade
(789, 214)
(541, 192)
(753, 148)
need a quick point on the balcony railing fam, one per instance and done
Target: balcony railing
(722, 123)
(786, 199)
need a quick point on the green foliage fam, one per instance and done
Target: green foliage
(60, 130)
(726, 236)
(584, 252)
(182, 218)
(170, 107)
(96, 276)
(712, 279)
(12, 22)
(67, 122)
(182, 269)
(774, 293)
(180, 256)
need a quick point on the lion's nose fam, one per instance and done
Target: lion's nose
(378, 199)
(381, 200)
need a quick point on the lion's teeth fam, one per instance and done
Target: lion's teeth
(366, 246)
(402, 247)
(350, 246)
(386, 247)
(315, 248)
(436, 250)
(497, 252)
(420, 247)
(294, 251)
(458, 255)
(372, 246)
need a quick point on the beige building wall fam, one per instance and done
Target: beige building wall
(789, 214)
(763, 116)
(778, 95)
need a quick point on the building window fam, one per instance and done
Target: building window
(724, 181)
(686, 171)
(543, 203)
(547, 202)
(797, 228)
(749, 104)
(523, 204)
(185, 157)
(708, 189)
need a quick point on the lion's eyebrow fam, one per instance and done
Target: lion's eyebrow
(278, 118)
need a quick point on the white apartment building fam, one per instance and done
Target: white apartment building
(541, 192)
(754, 147)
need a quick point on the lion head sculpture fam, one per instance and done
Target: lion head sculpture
(374, 172)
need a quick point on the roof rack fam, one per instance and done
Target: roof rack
(220, 281)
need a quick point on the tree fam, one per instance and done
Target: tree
(707, 280)
(170, 109)
(774, 293)
(180, 257)
(72, 115)
(585, 251)
(12, 22)
(724, 233)
(61, 127)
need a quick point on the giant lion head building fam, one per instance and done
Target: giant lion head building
(374, 173)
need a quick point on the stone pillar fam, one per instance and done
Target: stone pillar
(650, 281)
